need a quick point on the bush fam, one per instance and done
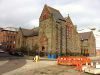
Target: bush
(27, 51)
(23, 50)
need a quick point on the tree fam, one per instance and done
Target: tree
(36, 49)
(22, 49)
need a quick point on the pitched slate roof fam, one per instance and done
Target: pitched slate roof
(85, 35)
(55, 13)
(29, 32)
(36, 31)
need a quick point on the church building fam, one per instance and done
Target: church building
(55, 34)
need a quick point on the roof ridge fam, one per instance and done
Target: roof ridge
(29, 32)
(86, 32)
(85, 35)
(54, 13)
(51, 8)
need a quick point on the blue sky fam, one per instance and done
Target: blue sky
(26, 13)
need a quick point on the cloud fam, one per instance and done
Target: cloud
(82, 12)
(22, 12)
(26, 13)
(16, 12)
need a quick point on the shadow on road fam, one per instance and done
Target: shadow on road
(12, 64)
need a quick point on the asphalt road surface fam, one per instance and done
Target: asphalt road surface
(11, 65)
(15, 66)
(20, 67)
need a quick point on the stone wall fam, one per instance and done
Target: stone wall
(92, 45)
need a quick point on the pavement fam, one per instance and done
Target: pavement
(10, 65)
(3, 62)
(44, 68)
(29, 66)
(25, 65)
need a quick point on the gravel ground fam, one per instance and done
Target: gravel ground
(15, 66)
(57, 70)
(30, 67)
(44, 68)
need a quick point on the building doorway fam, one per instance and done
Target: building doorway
(43, 45)
(86, 52)
(43, 48)
(42, 52)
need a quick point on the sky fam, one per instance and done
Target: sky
(26, 13)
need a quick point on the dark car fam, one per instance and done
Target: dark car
(11, 53)
(18, 54)
(1, 51)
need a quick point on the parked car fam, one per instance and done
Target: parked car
(1, 51)
(11, 53)
(16, 54)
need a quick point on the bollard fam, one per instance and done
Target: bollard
(97, 65)
(86, 64)
(36, 58)
(92, 64)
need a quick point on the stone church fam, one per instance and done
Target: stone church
(55, 34)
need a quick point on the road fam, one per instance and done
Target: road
(4, 54)
(20, 66)
(11, 65)
(37, 68)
